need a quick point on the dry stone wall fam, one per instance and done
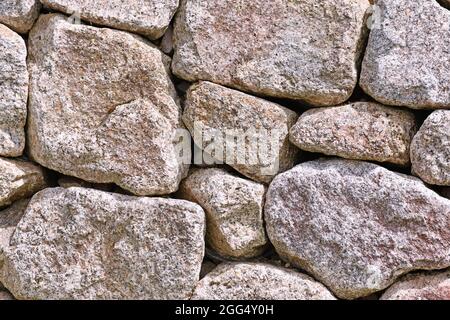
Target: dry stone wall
(223, 149)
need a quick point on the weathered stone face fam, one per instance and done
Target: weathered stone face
(207, 267)
(445, 192)
(89, 103)
(306, 50)
(19, 15)
(234, 211)
(9, 218)
(150, 17)
(361, 131)
(430, 149)
(356, 226)
(4, 295)
(13, 92)
(86, 244)
(103, 107)
(421, 286)
(19, 179)
(407, 61)
(258, 281)
(256, 130)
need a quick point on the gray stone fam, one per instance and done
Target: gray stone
(356, 226)
(166, 44)
(360, 131)
(234, 211)
(150, 17)
(306, 50)
(248, 133)
(19, 15)
(421, 286)
(258, 281)
(430, 149)
(13, 92)
(86, 244)
(9, 218)
(407, 61)
(19, 179)
(103, 107)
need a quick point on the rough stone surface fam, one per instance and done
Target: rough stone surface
(19, 15)
(85, 244)
(150, 17)
(430, 149)
(407, 61)
(9, 218)
(234, 211)
(356, 226)
(361, 131)
(215, 114)
(68, 182)
(258, 281)
(306, 50)
(103, 107)
(421, 286)
(13, 92)
(19, 179)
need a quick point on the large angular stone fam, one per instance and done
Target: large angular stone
(234, 211)
(19, 15)
(361, 131)
(407, 61)
(248, 133)
(421, 286)
(13, 92)
(258, 281)
(306, 50)
(430, 149)
(19, 179)
(81, 243)
(150, 17)
(356, 226)
(103, 107)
